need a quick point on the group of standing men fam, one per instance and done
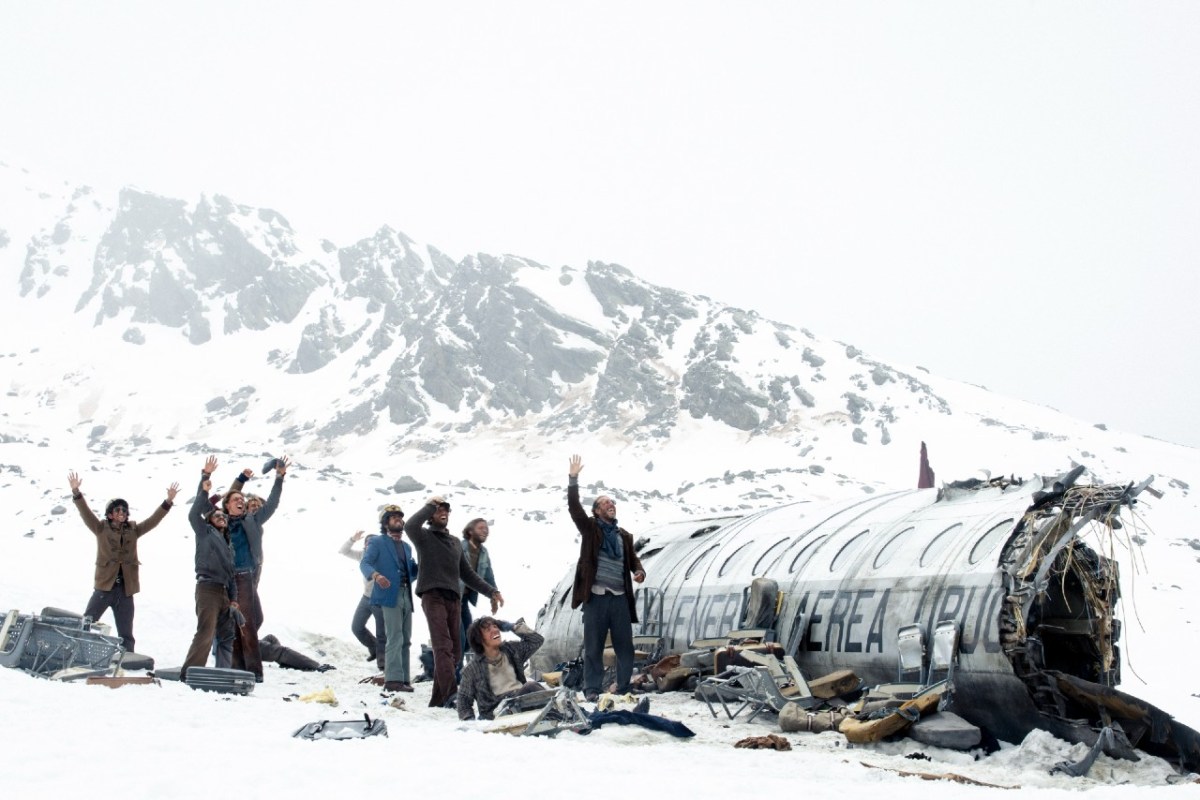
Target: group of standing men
(447, 575)
(441, 575)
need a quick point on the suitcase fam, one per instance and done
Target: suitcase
(216, 679)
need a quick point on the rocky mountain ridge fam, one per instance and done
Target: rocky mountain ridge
(393, 343)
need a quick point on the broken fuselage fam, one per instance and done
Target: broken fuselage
(1005, 560)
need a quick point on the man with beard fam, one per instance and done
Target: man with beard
(474, 535)
(388, 564)
(245, 534)
(602, 585)
(443, 567)
(116, 578)
(216, 589)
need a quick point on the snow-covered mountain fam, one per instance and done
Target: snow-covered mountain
(227, 326)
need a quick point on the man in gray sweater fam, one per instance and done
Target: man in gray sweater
(443, 567)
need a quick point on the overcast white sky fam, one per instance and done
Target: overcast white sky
(1003, 193)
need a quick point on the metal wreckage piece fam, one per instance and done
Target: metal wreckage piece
(1059, 630)
(65, 648)
(844, 585)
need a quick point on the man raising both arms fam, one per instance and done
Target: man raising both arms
(116, 579)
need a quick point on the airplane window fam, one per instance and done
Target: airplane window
(653, 551)
(888, 550)
(702, 557)
(725, 567)
(806, 553)
(989, 540)
(704, 531)
(566, 595)
(934, 549)
(758, 565)
(848, 549)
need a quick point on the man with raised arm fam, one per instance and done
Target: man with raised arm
(603, 585)
(216, 588)
(443, 566)
(116, 578)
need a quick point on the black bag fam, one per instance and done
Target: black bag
(343, 729)
(572, 674)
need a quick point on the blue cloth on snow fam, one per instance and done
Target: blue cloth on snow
(676, 729)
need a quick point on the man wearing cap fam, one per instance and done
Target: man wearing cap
(388, 564)
(603, 586)
(443, 566)
(116, 577)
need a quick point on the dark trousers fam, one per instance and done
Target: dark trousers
(443, 616)
(122, 609)
(462, 637)
(604, 614)
(212, 618)
(245, 637)
(376, 644)
(258, 611)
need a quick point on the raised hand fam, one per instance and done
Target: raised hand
(576, 466)
(74, 480)
(247, 474)
(210, 465)
(357, 535)
(281, 466)
(172, 490)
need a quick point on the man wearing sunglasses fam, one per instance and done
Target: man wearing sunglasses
(116, 578)
(216, 587)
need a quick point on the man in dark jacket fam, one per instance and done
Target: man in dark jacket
(116, 578)
(388, 564)
(216, 589)
(603, 586)
(498, 670)
(443, 566)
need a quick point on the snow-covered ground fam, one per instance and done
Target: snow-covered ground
(171, 741)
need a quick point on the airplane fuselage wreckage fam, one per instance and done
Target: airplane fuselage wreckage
(1002, 562)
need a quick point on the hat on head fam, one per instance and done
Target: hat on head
(388, 511)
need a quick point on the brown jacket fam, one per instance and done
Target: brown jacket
(590, 538)
(116, 548)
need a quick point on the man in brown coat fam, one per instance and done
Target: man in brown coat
(116, 579)
(604, 579)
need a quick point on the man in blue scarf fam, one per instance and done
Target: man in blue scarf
(604, 578)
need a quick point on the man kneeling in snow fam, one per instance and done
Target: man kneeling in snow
(498, 670)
